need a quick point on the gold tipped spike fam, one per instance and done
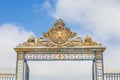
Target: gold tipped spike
(119, 71)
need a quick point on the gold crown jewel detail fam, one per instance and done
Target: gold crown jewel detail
(59, 34)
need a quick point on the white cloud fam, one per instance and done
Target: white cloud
(101, 17)
(10, 36)
(47, 5)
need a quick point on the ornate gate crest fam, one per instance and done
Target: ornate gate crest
(59, 34)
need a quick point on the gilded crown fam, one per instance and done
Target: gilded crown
(59, 22)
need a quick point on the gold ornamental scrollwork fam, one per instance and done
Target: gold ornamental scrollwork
(59, 56)
(59, 34)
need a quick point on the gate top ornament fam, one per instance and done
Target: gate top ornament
(59, 36)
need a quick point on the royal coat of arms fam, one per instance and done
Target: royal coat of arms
(59, 34)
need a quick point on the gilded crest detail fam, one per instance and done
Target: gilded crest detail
(59, 34)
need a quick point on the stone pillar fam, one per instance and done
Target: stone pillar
(99, 66)
(20, 66)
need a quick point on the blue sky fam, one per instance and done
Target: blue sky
(21, 18)
(31, 14)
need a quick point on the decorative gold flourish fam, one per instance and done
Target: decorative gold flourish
(30, 41)
(60, 36)
(59, 56)
(88, 42)
(41, 42)
(77, 42)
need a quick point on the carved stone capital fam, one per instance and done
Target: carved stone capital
(20, 55)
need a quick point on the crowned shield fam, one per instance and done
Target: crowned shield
(59, 34)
